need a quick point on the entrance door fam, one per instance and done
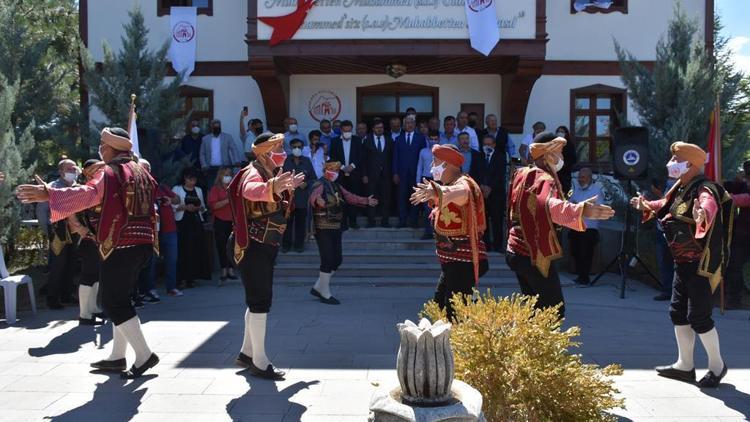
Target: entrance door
(393, 99)
(475, 108)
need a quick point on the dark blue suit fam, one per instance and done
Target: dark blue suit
(405, 159)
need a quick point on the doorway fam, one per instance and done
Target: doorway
(393, 99)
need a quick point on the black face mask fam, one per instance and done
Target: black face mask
(216, 131)
(472, 124)
(259, 130)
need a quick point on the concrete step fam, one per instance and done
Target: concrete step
(379, 233)
(427, 256)
(355, 269)
(309, 280)
(348, 244)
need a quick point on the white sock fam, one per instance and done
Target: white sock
(323, 284)
(93, 306)
(119, 344)
(84, 297)
(131, 330)
(247, 345)
(258, 339)
(685, 345)
(710, 342)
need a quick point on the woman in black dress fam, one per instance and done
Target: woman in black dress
(189, 217)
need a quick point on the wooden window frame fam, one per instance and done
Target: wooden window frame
(398, 89)
(188, 92)
(623, 8)
(162, 10)
(618, 110)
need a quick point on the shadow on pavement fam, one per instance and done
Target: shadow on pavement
(109, 400)
(71, 341)
(264, 397)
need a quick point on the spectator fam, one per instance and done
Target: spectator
(462, 126)
(523, 149)
(474, 121)
(167, 200)
(740, 247)
(361, 130)
(189, 228)
(394, 128)
(570, 158)
(326, 133)
(292, 132)
(377, 163)
(493, 187)
(296, 233)
(411, 111)
(503, 142)
(218, 150)
(582, 244)
(424, 172)
(190, 146)
(663, 255)
(218, 202)
(473, 160)
(347, 150)
(405, 159)
(449, 136)
(434, 124)
(424, 129)
(318, 153)
(146, 288)
(247, 136)
(336, 127)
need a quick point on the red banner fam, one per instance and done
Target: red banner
(713, 163)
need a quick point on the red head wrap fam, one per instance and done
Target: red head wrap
(448, 153)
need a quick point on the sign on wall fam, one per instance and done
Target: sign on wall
(396, 19)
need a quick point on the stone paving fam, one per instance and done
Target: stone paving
(335, 357)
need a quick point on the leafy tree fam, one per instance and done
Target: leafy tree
(674, 100)
(136, 69)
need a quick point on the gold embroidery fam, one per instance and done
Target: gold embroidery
(447, 216)
(682, 208)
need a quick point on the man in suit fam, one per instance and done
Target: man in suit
(394, 128)
(493, 188)
(218, 150)
(377, 164)
(474, 164)
(405, 158)
(347, 150)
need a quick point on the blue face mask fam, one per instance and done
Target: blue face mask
(337, 131)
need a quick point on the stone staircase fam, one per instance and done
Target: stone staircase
(382, 257)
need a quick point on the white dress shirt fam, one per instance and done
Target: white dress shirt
(347, 150)
(215, 151)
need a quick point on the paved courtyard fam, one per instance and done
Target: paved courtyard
(335, 357)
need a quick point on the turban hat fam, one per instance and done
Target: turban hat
(333, 165)
(267, 142)
(117, 142)
(546, 143)
(689, 152)
(449, 154)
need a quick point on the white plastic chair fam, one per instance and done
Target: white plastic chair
(10, 285)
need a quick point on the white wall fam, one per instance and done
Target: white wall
(454, 90)
(220, 37)
(586, 36)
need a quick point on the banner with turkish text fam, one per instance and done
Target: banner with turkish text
(183, 32)
(481, 17)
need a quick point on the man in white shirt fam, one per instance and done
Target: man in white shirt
(462, 126)
(347, 150)
(218, 149)
(523, 149)
(318, 153)
(582, 244)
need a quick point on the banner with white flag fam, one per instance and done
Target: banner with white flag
(182, 27)
(484, 33)
(133, 130)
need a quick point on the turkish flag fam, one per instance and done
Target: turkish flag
(284, 27)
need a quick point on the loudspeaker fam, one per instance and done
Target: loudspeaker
(630, 153)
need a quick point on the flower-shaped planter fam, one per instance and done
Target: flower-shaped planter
(425, 363)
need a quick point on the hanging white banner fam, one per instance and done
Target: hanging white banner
(481, 17)
(183, 29)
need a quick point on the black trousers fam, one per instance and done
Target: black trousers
(190, 248)
(350, 183)
(532, 282)
(119, 275)
(494, 209)
(61, 273)
(256, 269)
(381, 188)
(222, 230)
(582, 246)
(90, 262)
(329, 248)
(296, 229)
(740, 255)
(456, 277)
(692, 300)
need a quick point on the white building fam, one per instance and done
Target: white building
(552, 64)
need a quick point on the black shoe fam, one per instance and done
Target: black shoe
(284, 250)
(710, 380)
(99, 315)
(316, 293)
(136, 372)
(55, 305)
(150, 299)
(330, 301)
(110, 365)
(669, 371)
(91, 322)
(231, 276)
(270, 372)
(661, 297)
(137, 303)
(243, 360)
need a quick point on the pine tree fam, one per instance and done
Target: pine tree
(14, 153)
(136, 69)
(675, 99)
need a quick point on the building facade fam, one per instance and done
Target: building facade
(358, 59)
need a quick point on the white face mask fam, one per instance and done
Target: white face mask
(226, 179)
(561, 134)
(346, 135)
(437, 171)
(676, 169)
(558, 166)
(196, 130)
(70, 177)
(488, 150)
(293, 128)
(297, 152)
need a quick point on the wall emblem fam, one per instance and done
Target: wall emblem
(479, 5)
(324, 105)
(183, 32)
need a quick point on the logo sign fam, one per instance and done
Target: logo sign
(479, 5)
(324, 105)
(183, 32)
(631, 157)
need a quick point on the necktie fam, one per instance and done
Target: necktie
(408, 139)
(380, 144)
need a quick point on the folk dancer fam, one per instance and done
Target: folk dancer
(261, 198)
(125, 238)
(327, 200)
(459, 223)
(696, 215)
(536, 208)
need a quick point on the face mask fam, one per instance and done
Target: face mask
(559, 165)
(561, 134)
(332, 175)
(70, 177)
(346, 135)
(434, 141)
(293, 128)
(437, 171)
(472, 124)
(226, 179)
(278, 158)
(195, 130)
(337, 131)
(676, 169)
(259, 130)
(216, 131)
(489, 150)
(101, 157)
(296, 152)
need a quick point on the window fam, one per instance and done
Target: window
(205, 7)
(393, 99)
(197, 104)
(598, 6)
(595, 112)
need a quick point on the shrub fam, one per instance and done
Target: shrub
(518, 358)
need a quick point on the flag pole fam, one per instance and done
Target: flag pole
(131, 114)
